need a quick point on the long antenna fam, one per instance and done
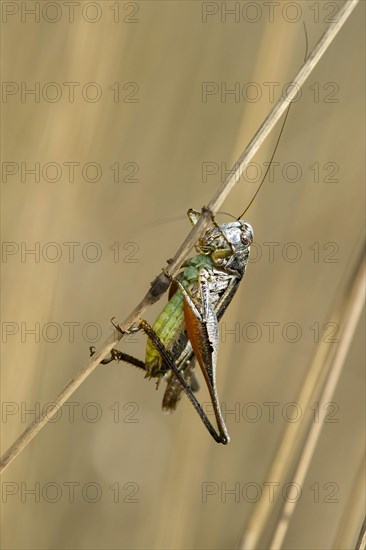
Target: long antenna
(279, 137)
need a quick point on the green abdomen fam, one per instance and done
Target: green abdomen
(167, 326)
(170, 322)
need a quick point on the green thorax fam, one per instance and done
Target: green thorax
(170, 322)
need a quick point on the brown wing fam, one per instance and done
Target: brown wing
(203, 335)
(203, 344)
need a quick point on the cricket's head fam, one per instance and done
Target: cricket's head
(228, 244)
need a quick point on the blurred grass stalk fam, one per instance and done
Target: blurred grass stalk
(349, 525)
(299, 442)
(361, 541)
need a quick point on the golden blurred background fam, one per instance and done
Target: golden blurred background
(117, 118)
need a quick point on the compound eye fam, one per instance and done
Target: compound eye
(245, 238)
